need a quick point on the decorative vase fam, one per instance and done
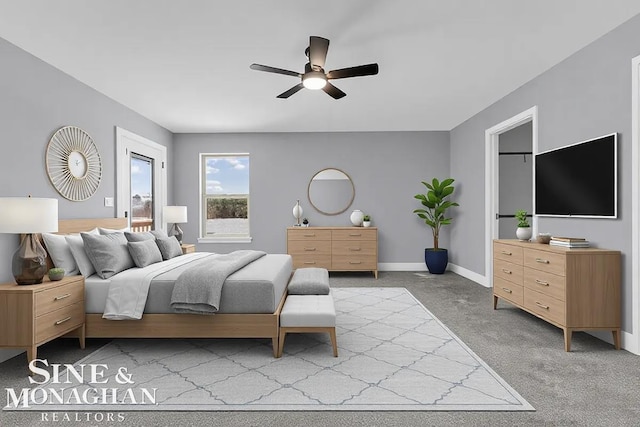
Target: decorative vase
(297, 213)
(523, 233)
(436, 260)
(356, 218)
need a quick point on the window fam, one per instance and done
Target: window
(224, 210)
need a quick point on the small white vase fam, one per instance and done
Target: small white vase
(523, 233)
(356, 217)
(366, 223)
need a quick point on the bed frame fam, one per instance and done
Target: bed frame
(175, 325)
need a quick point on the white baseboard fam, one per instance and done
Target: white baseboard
(402, 266)
(468, 274)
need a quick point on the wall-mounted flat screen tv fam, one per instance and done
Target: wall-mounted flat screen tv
(578, 180)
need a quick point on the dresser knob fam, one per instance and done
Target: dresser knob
(546, 307)
(504, 270)
(542, 282)
(58, 298)
(542, 261)
(60, 322)
(507, 290)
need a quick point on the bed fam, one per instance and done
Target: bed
(265, 280)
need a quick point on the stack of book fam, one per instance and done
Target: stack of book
(569, 242)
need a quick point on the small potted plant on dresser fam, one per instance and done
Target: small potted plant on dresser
(366, 221)
(523, 232)
(435, 207)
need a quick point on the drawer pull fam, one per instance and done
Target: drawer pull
(542, 282)
(542, 261)
(506, 253)
(546, 307)
(58, 298)
(309, 249)
(309, 262)
(310, 235)
(355, 234)
(509, 291)
(355, 262)
(355, 249)
(60, 322)
(504, 270)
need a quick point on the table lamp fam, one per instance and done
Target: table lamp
(175, 215)
(27, 216)
(297, 213)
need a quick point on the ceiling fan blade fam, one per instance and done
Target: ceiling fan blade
(361, 70)
(318, 48)
(291, 91)
(275, 70)
(333, 91)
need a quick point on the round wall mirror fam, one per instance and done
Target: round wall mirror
(331, 191)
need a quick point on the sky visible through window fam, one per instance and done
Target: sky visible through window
(140, 177)
(228, 175)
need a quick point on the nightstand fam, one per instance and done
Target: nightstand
(188, 248)
(31, 315)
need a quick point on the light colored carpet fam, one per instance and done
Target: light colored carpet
(393, 355)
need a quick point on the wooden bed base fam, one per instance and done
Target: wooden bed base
(175, 325)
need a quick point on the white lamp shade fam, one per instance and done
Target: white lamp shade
(175, 214)
(28, 215)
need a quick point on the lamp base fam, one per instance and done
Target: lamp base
(177, 231)
(29, 264)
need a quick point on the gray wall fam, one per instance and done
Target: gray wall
(515, 178)
(587, 95)
(36, 99)
(386, 169)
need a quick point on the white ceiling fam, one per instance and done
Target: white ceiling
(185, 64)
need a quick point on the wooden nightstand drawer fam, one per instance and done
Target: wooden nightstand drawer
(311, 260)
(61, 296)
(355, 234)
(509, 253)
(348, 248)
(546, 283)
(508, 271)
(545, 261)
(318, 247)
(308, 233)
(59, 322)
(508, 290)
(544, 306)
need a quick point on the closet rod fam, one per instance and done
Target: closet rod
(513, 153)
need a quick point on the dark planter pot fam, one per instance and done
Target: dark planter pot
(436, 260)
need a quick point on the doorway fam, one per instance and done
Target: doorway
(141, 180)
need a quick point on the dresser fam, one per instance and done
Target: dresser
(575, 289)
(334, 248)
(31, 315)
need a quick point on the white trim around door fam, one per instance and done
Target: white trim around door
(491, 137)
(631, 341)
(127, 143)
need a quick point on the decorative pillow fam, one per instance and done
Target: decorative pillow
(60, 253)
(76, 244)
(108, 253)
(138, 237)
(144, 252)
(105, 231)
(159, 234)
(169, 247)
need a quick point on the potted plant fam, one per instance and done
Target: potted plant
(56, 274)
(434, 215)
(523, 232)
(305, 222)
(366, 221)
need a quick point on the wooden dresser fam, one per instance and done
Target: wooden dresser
(31, 315)
(334, 248)
(575, 289)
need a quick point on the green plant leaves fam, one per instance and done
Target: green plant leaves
(436, 205)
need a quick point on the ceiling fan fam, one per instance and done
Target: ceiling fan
(314, 76)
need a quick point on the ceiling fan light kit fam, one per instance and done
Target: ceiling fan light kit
(314, 77)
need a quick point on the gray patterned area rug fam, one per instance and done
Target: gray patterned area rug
(394, 355)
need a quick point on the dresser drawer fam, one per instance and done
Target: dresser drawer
(311, 260)
(319, 247)
(508, 271)
(508, 290)
(507, 253)
(348, 248)
(355, 234)
(546, 283)
(59, 322)
(544, 306)
(545, 261)
(60, 296)
(354, 262)
(308, 233)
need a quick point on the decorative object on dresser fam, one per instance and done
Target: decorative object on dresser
(366, 221)
(569, 242)
(55, 274)
(436, 205)
(73, 163)
(523, 232)
(297, 213)
(28, 215)
(305, 222)
(356, 218)
(575, 289)
(331, 191)
(175, 215)
(544, 238)
(334, 248)
(33, 315)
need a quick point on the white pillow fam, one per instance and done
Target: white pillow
(60, 253)
(104, 231)
(76, 244)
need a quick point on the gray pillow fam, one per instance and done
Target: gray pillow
(104, 231)
(108, 253)
(76, 244)
(139, 237)
(169, 247)
(309, 281)
(159, 234)
(60, 253)
(144, 252)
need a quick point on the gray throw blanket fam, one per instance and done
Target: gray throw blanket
(198, 290)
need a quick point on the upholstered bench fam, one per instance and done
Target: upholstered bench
(309, 306)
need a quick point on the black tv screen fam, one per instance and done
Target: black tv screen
(578, 180)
